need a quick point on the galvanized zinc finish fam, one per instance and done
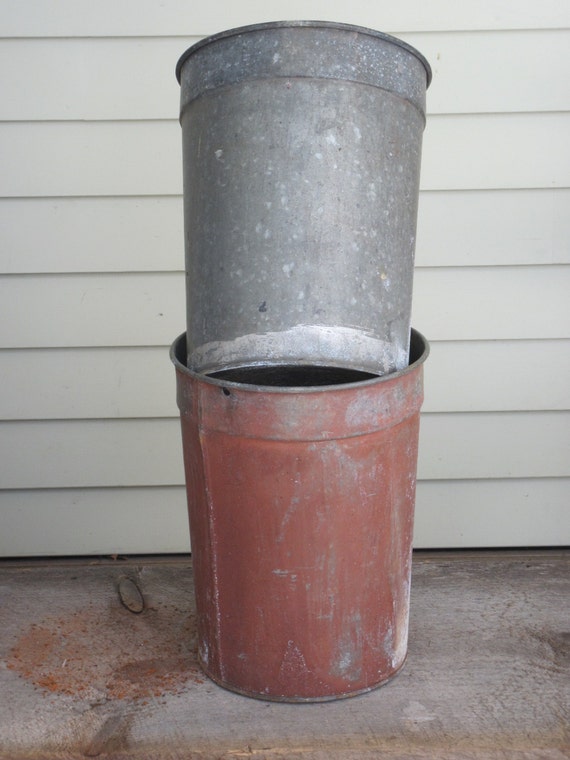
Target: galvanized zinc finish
(301, 152)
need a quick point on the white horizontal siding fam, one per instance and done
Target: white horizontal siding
(83, 18)
(90, 453)
(91, 158)
(492, 513)
(91, 235)
(500, 303)
(87, 383)
(126, 234)
(491, 445)
(91, 260)
(495, 72)
(488, 151)
(148, 308)
(98, 79)
(475, 376)
(94, 521)
(93, 79)
(153, 520)
(91, 310)
(493, 228)
(115, 383)
(463, 152)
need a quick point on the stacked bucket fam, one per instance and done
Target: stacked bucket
(299, 380)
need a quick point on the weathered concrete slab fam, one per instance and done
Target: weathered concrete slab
(84, 674)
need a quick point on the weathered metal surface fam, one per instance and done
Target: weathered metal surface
(301, 162)
(301, 508)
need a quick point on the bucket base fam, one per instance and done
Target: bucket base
(300, 700)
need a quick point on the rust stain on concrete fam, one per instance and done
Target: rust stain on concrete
(109, 656)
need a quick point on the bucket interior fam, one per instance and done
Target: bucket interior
(296, 375)
(305, 375)
(292, 375)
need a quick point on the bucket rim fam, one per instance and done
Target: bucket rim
(240, 30)
(419, 348)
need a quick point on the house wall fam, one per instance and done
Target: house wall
(92, 282)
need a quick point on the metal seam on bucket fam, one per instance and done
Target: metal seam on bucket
(345, 53)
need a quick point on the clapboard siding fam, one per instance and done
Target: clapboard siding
(461, 152)
(96, 79)
(115, 383)
(492, 513)
(131, 79)
(91, 310)
(501, 303)
(148, 309)
(92, 284)
(91, 158)
(126, 234)
(488, 151)
(495, 72)
(89, 453)
(83, 18)
(496, 227)
(94, 235)
(94, 521)
(476, 376)
(153, 520)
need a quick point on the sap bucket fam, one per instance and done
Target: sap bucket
(301, 163)
(301, 503)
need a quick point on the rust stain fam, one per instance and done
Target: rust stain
(109, 655)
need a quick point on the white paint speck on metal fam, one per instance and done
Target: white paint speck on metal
(335, 345)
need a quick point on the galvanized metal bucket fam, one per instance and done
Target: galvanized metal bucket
(301, 162)
(301, 504)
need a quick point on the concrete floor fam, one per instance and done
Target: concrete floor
(487, 677)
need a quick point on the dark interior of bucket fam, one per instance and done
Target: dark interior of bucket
(303, 375)
(297, 375)
(292, 375)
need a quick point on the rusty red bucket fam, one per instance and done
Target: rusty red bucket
(301, 503)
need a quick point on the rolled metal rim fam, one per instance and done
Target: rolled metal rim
(303, 24)
(419, 352)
